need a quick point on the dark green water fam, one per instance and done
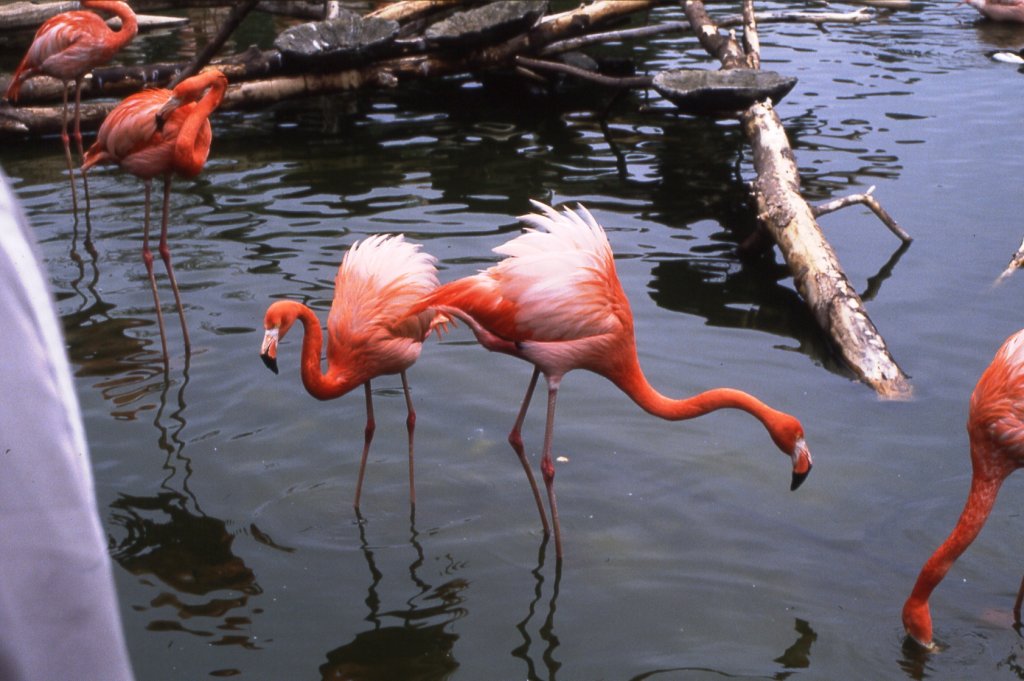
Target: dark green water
(226, 491)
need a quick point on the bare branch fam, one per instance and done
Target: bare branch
(871, 202)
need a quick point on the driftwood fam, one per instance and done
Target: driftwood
(1016, 262)
(790, 221)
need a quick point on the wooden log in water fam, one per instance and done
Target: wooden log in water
(790, 221)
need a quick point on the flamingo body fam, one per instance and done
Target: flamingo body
(995, 427)
(369, 330)
(556, 302)
(160, 132)
(69, 45)
(999, 10)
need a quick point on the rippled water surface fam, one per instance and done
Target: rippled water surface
(226, 491)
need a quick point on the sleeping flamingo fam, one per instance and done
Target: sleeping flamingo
(369, 331)
(995, 427)
(999, 10)
(68, 46)
(161, 132)
(556, 302)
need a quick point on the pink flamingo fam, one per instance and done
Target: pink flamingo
(557, 303)
(161, 132)
(369, 332)
(995, 427)
(68, 46)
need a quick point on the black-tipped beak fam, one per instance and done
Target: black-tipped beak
(271, 363)
(798, 478)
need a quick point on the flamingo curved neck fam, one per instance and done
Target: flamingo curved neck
(129, 23)
(321, 385)
(636, 386)
(979, 504)
(193, 143)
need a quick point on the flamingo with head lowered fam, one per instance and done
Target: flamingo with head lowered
(556, 302)
(369, 330)
(67, 47)
(160, 132)
(995, 428)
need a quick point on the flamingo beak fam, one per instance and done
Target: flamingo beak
(169, 106)
(801, 464)
(268, 351)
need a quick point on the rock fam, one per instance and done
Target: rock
(485, 25)
(721, 93)
(348, 38)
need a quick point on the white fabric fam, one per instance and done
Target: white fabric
(59, 617)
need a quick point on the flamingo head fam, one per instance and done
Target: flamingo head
(192, 90)
(917, 620)
(279, 318)
(788, 435)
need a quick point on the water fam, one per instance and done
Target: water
(226, 491)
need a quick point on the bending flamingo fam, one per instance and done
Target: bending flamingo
(68, 46)
(369, 330)
(556, 302)
(161, 132)
(995, 427)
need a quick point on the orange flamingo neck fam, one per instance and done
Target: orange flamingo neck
(328, 385)
(636, 386)
(193, 143)
(980, 500)
(129, 22)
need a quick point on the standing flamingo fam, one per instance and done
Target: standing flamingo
(557, 303)
(161, 132)
(995, 427)
(369, 331)
(68, 46)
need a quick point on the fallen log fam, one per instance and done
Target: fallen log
(790, 221)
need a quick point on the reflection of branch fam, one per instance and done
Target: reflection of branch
(875, 282)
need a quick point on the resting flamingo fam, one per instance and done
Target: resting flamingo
(995, 428)
(556, 302)
(161, 132)
(68, 46)
(369, 332)
(999, 10)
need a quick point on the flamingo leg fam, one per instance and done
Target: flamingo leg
(165, 254)
(371, 426)
(78, 138)
(515, 438)
(1017, 603)
(410, 424)
(67, 150)
(547, 464)
(147, 257)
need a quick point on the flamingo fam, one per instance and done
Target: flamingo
(369, 332)
(556, 302)
(68, 46)
(161, 132)
(999, 10)
(995, 428)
